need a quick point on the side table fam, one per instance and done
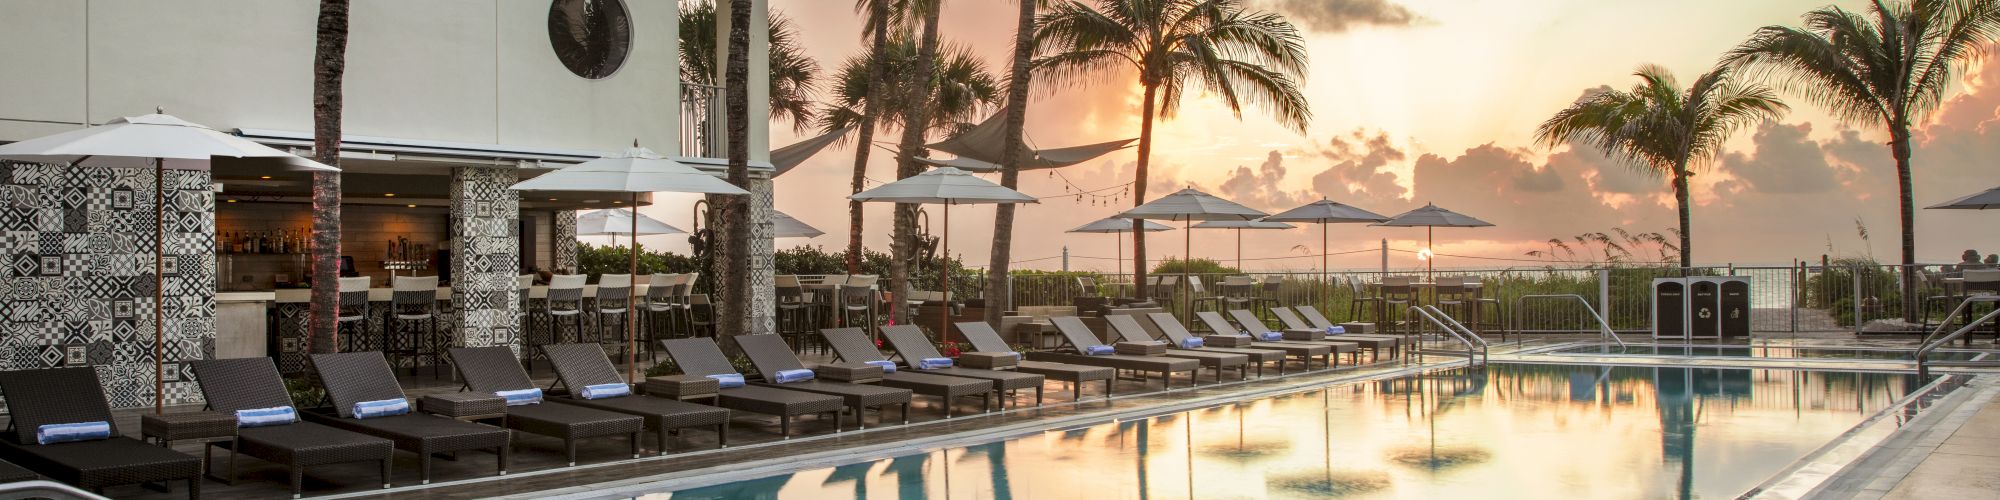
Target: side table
(212, 428)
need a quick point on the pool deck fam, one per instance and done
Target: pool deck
(1953, 451)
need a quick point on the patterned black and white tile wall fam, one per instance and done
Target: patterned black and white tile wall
(77, 244)
(485, 249)
(563, 241)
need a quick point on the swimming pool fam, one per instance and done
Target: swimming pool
(1519, 431)
(1763, 351)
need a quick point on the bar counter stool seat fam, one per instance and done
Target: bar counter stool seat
(414, 299)
(564, 300)
(614, 296)
(351, 317)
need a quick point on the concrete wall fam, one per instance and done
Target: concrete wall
(477, 71)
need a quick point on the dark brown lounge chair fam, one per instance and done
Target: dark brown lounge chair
(854, 347)
(1126, 328)
(1374, 342)
(354, 377)
(582, 365)
(1079, 338)
(1253, 326)
(10, 473)
(493, 369)
(985, 340)
(73, 395)
(772, 355)
(700, 357)
(1170, 327)
(253, 383)
(1305, 351)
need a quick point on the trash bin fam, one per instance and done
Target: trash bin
(1735, 314)
(1669, 308)
(1704, 309)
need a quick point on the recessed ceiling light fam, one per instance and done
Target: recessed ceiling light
(231, 200)
(265, 177)
(391, 195)
(552, 199)
(411, 206)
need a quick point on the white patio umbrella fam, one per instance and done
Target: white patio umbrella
(1239, 226)
(1431, 216)
(1186, 206)
(1325, 212)
(786, 226)
(160, 142)
(1119, 225)
(636, 170)
(943, 186)
(615, 223)
(1983, 200)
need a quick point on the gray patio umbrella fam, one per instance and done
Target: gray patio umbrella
(615, 223)
(1431, 216)
(1118, 225)
(160, 142)
(636, 170)
(943, 186)
(786, 226)
(1239, 226)
(1188, 205)
(1983, 200)
(1325, 212)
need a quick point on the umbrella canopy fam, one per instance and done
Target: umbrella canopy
(613, 222)
(1191, 205)
(786, 226)
(945, 185)
(1983, 200)
(636, 170)
(1431, 215)
(1325, 212)
(1243, 224)
(160, 142)
(788, 157)
(1118, 225)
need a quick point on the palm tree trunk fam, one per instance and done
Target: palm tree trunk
(1139, 191)
(1686, 218)
(329, 66)
(735, 311)
(998, 301)
(915, 121)
(1899, 145)
(878, 69)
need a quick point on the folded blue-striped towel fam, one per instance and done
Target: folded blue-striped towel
(789, 376)
(381, 408)
(259, 417)
(1099, 350)
(1192, 342)
(887, 366)
(1016, 355)
(1271, 336)
(602, 391)
(1336, 330)
(80, 431)
(728, 380)
(520, 397)
(934, 363)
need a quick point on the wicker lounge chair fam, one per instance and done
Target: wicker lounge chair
(700, 357)
(1314, 319)
(1126, 328)
(985, 340)
(1170, 327)
(583, 365)
(1079, 338)
(10, 473)
(772, 355)
(854, 347)
(73, 395)
(945, 387)
(355, 377)
(489, 370)
(1305, 352)
(1252, 326)
(253, 383)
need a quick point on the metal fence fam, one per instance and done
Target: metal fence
(701, 112)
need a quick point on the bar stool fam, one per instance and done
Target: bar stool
(1238, 292)
(1450, 296)
(1270, 290)
(564, 300)
(1088, 284)
(613, 296)
(657, 309)
(1359, 295)
(1397, 293)
(523, 317)
(352, 312)
(414, 299)
(794, 316)
(858, 300)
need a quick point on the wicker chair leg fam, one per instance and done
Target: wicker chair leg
(194, 487)
(660, 440)
(387, 463)
(569, 450)
(298, 480)
(785, 426)
(1108, 384)
(502, 451)
(424, 467)
(1038, 395)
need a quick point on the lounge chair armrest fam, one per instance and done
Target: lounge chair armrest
(681, 386)
(848, 372)
(989, 360)
(1358, 327)
(1154, 348)
(1305, 334)
(463, 405)
(1227, 340)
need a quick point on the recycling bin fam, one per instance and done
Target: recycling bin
(1704, 308)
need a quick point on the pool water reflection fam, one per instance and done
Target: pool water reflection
(1509, 431)
(1744, 351)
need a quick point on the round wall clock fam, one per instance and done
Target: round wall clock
(590, 37)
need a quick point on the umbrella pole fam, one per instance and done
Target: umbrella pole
(944, 280)
(1239, 249)
(1187, 261)
(631, 298)
(159, 286)
(1326, 288)
(1428, 262)
(1119, 265)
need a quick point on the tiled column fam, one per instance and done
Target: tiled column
(763, 258)
(562, 242)
(485, 256)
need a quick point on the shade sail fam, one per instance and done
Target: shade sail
(617, 222)
(1243, 224)
(944, 185)
(1327, 212)
(135, 141)
(783, 159)
(985, 145)
(786, 226)
(1983, 200)
(1431, 215)
(1191, 205)
(1118, 225)
(636, 170)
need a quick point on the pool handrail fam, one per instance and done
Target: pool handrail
(1473, 351)
(45, 489)
(1603, 326)
(1932, 341)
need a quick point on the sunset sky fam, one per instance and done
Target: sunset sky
(1419, 101)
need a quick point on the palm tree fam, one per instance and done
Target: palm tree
(962, 89)
(1662, 129)
(794, 76)
(917, 92)
(997, 299)
(735, 310)
(1243, 57)
(329, 66)
(878, 17)
(1888, 66)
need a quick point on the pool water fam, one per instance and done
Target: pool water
(1505, 431)
(1743, 351)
